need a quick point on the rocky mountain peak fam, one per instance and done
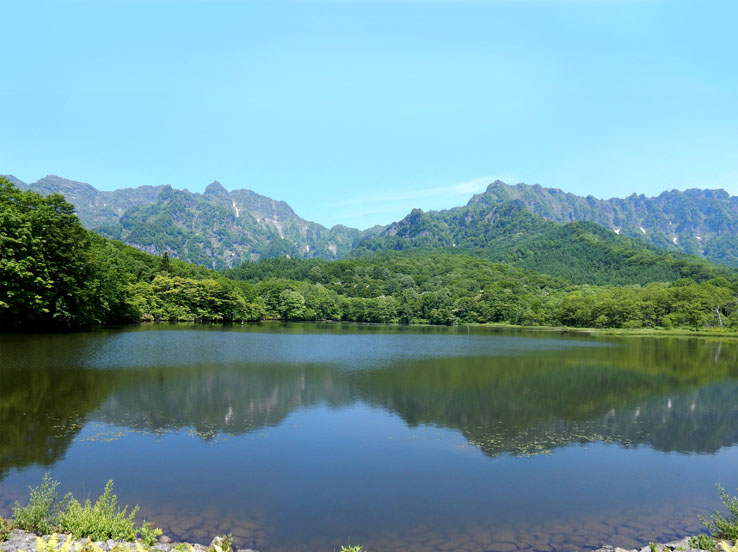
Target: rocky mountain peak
(215, 188)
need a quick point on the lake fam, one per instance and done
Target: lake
(308, 436)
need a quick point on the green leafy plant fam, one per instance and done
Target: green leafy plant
(652, 547)
(222, 544)
(720, 526)
(101, 521)
(354, 548)
(703, 542)
(6, 526)
(51, 545)
(43, 508)
(149, 533)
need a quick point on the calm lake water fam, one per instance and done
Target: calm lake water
(308, 436)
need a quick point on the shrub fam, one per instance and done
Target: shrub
(720, 526)
(43, 508)
(703, 542)
(102, 521)
(221, 544)
(6, 526)
(149, 533)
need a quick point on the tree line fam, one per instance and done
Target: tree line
(456, 289)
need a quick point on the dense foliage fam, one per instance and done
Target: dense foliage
(441, 288)
(55, 273)
(52, 270)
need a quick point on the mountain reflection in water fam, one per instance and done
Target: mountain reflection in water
(505, 392)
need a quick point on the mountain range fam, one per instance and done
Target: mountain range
(695, 221)
(525, 225)
(216, 229)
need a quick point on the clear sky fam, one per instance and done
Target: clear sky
(355, 112)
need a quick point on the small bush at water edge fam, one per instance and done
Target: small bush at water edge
(105, 520)
(703, 542)
(43, 508)
(6, 526)
(720, 526)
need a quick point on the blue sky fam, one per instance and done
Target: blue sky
(356, 112)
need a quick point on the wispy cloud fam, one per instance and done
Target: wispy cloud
(452, 191)
(385, 207)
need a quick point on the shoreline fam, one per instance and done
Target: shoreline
(24, 541)
(617, 332)
(606, 332)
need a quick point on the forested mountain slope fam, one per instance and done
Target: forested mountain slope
(695, 221)
(580, 252)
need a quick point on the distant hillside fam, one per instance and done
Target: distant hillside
(216, 229)
(580, 252)
(698, 222)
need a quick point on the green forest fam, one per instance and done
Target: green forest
(56, 274)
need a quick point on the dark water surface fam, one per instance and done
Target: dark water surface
(305, 437)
